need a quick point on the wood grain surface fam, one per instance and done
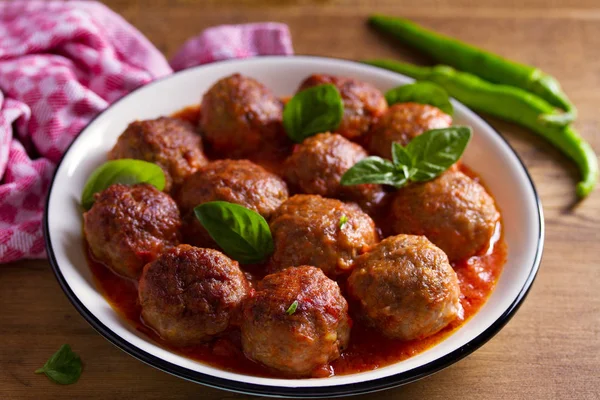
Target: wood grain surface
(549, 350)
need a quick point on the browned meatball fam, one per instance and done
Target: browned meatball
(169, 142)
(236, 181)
(325, 233)
(406, 287)
(301, 341)
(403, 122)
(129, 226)
(193, 232)
(363, 103)
(189, 294)
(453, 211)
(317, 165)
(240, 116)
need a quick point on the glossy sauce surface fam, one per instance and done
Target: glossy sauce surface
(368, 349)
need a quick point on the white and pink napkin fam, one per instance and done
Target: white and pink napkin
(61, 63)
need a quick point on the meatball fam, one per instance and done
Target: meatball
(240, 116)
(194, 233)
(325, 233)
(406, 288)
(236, 181)
(363, 103)
(169, 142)
(402, 123)
(317, 165)
(129, 226)
(453, 211)
(299, 341)
(189, 294)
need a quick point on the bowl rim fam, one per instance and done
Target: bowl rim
(280, 391)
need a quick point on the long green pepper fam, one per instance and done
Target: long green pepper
(511, 104)
(484, 64)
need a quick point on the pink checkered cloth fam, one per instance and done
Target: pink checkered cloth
(60, 65)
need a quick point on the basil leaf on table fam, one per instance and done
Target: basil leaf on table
(314, 110)
(126, 171)
(63, 367)
(423, 159)
(243, 234)
(434, 152)
(422, 93)
(373, 170)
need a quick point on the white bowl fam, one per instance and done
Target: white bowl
(488, 154)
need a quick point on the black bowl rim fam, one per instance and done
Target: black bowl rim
(295, 392)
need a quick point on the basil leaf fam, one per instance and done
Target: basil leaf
(343, 221)
(424, 158)
(422, 93)
(374, 170)
(243, 234)
(63, 367)
(436, 150)
(125, 171)
(402, 159)
(313, 110)
(400, 156)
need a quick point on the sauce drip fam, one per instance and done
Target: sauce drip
(367, 350)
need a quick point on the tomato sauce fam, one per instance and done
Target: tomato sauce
(367, 350)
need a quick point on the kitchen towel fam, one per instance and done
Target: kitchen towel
(61, 63)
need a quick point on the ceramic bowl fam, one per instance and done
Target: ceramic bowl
(488, 154)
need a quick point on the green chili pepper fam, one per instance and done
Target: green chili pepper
(508, 103)
(503, 101)
(486, 65)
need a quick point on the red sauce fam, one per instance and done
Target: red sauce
(190, 114)
(367, 350)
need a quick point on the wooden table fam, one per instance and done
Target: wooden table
(549, 350)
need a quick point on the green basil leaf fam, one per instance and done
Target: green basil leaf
(402, 160)
(125, 171)
(424, 158)
(313, 110)
(436, 150)
(243, 234)
(63, 367)
(374, 170)
(400, 156)
(422, 93)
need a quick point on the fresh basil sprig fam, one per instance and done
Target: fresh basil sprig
(243, 234)
(126, 171)
(422, 93)
(314, 110)
(374, 170)
(63, 367)
(435, 152)
(424, 158)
